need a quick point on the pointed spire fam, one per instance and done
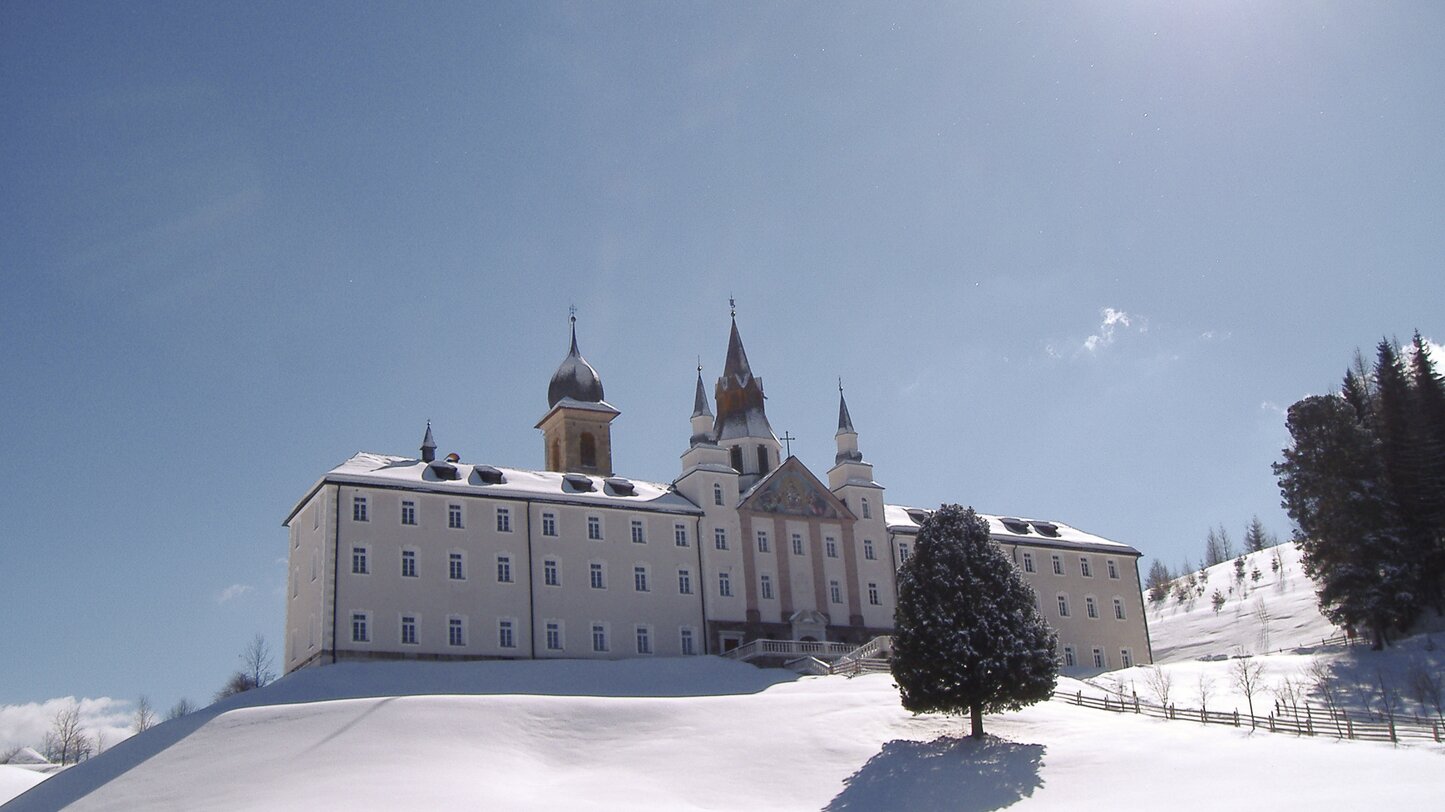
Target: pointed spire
(845, 420)
(428, 445)
(572, 318)
(699, 400)
(736, 368)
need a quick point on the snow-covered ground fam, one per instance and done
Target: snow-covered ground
(705, 733)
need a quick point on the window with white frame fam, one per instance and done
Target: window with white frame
(835, 592)
(408, 511)
(504, 520)
(873, 594)
(408, 630)
(867, 512)
(639, 578)
(679, 534)
(902, 553)
(717, 494)
(797, 544)
(1112, 568)
(1028, 562)
(454, 567)
(1126, 658)
(639, 536)
(358, 508)
(358, 561)
(456, 632)
(868, 551)
(599, 637)
(454, 517)
(504, 569)
(554, 635)
(506, 634)
(765, 586)
(720, 538)
(594, 528)
(551, 576)
(686, 635)
(1099, 661)
(598, 575)
(724, 585)
(549, 524)
(1063, 606)
(684, 582)
(1069, 659)
(1118, 609)
(408, 563)
(359, 633)
(762, 541)
(1084, 568)
(644, 639)
(1058, 565)
(830, 547)
(1090, 608)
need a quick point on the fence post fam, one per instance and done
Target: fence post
(1271, 723)
(1236, 718)
(1435, 728)
(1136, 702)
(1349, 726)
(1078, 697)
(1392, 731)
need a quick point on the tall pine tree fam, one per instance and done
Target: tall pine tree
(968, 636)
(1256, 538)
(1428, 409)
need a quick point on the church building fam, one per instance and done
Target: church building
(414, 557)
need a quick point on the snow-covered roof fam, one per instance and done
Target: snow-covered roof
(1013, 530)
(409, 473)
(27, 755)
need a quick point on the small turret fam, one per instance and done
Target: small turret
(428, 446)
(701, 415)
(846, 437)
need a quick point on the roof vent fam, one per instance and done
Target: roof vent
(1046, 529)
(442, 470)
(621, 487)
(1016, 526)
(579, 482)
(487, 475)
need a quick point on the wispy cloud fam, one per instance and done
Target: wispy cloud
(26, 725)
(1271, 406)
(1436, 351)
(232, 592)
(1113, 325)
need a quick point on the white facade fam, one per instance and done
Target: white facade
(412, 558)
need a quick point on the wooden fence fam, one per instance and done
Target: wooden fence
(1340, 724)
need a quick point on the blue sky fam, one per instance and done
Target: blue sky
(1071, 261)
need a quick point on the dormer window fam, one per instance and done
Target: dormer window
(621, 487)
(487, 475)
(579, 482)
(1015, 526)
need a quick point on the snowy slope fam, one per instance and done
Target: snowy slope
(708, 734)
(15, 780)
(1276, 612)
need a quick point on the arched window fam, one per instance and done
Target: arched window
(736, 455)
(556, 455)
(867, 514)
(717, 496)
(588, 450)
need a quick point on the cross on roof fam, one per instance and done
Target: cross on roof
(788, 438)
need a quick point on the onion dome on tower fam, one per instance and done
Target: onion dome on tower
(574, 378)
(576, 430)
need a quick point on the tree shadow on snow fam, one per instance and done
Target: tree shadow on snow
(946, 773)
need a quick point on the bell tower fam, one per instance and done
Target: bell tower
(742, 425)
(577, 428)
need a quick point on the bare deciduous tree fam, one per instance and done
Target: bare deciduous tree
(1324, 684)
(1160, 682)
(1248, 677)
(256, 661)
(182, 707)
(145, 716)
(66, 742)
(1206, 690)
(1427, 686)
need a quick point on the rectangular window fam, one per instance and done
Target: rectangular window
(1028, 562)
(1063, 606)
(504, 569)
(454, 567)
(797, 544)
(454, 517)
(599, 637)
(1098, 657)
(408, 512)
(1126, 658)
(1069, 657)
(1112, 567)
(717, 496)
(765, 583)
(408, 630)
(504, 520)
(688, 648)
(1058, 565)
(638, 536)
(679, 535)
(835, 592)
(554, 636)
(408, 564)
(1089, 608)
(868, 550)
(358, 508)
(639, 579)
(873, 594)
(902, 553)
(456, 635)
(762, 541)
(684, 582)
(720, 538)
(358, 628)
(549, 524)
(599, 580)
(1084, 569)
(550, 576)
(830, 546)
(594, 528)
(358, 560)
(1118, 609)
(867, 513)
(644, 640)
(506, 637)
(724, 585)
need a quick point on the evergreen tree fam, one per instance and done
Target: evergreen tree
(1349, 530)
(1429, 412)
(968, 635)
(1217, 547)
(1157, 581)
(1256, 538)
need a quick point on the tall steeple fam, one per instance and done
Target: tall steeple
(742, 421)
(576, 430)
(849, 467)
